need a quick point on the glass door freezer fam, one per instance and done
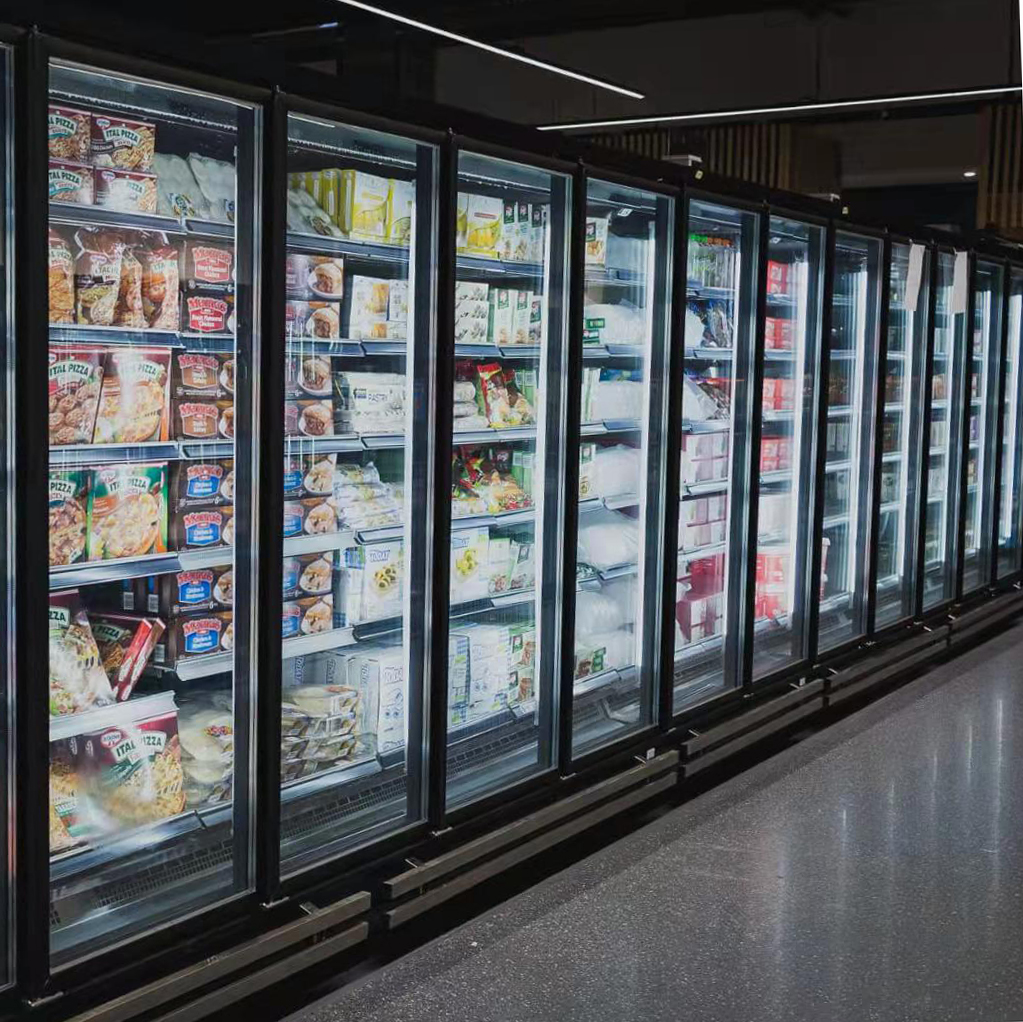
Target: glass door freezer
(507, 404)
(849, 439)
(627, 278)
(788, 414)
(901, 426)
(1012, 436)
(982, 424)
(152, 248)
(360, 259)
(944, 435)
(717, 400)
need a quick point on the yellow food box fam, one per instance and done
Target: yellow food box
(363, 206)
(484, 219)
(401, 203)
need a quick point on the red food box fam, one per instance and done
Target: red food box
(707, 574)
(126, 643)
(777, 278)
(785, 394)
(698, 616)
(209, 313)
(777, 334)
(769, 454)
(784, 453)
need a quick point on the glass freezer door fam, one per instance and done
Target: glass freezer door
(849, 440)
(358, 366)
(944, 443)
(151, 435)
(1012, 436)
(716, 399)
(626, 316)
(788, 419)
(904, 391)
(511, 241)
(981, 422)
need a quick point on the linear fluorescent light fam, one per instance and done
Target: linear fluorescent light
(790, 108)
(510, 54)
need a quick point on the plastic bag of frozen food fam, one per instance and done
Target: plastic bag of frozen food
(177, 192)
(694, 328)
(605, 323)
(97, 276)
(617, 399)
(596, 612)
(702, 400)
(206, 734)
(615, 471)
(217, 182)
(465, 391)
(77, 679)
(607, 539)
(606, 649)
(306, 217)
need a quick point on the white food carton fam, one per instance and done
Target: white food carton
(521, 316)
(596, 240)
(458, 679)
(472, 312)
(508, 230)
(538, 319)
(461, 221)
(502, 310)
(470, 564)
(369, 308)
(523, 246)
(364, 205)
(380, 672)
(537, 233)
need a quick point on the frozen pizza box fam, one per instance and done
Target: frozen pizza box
(127, 511)
(202, 484)
(133, 404)
(199, 634)
(69, 133)
(202, 528)
(122, 143)
(203, 376)
(71, 182)
(126, 643)
(68, 504)
(74, 378)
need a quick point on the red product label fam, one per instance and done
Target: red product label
(207, 315)
(212, 265)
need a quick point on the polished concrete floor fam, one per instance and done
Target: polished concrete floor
(871, 872)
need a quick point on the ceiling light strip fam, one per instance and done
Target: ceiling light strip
(510, 54)
(757, 111)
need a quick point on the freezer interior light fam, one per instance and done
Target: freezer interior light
(969, 173)
(522, 58)
(757, 111)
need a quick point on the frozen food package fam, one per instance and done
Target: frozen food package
(195, 590)
(598, 612)
(313, 319)
(500, 328)
(65, 831)
(363, 205)
(133, 404)
(209, 313)
(401, 206)
(615, 471)
(202, 420)
(77, 679)
(372, 403)
(202, 376)
(349, 473)
(613, 323)
(312, 473)
(305, 216)
(608, 539)
(68, 133)
(596, 240)
(71, 182)
(322, 276)
(127, 511)
(125, 642)
(206, 734)
(198, 634)
(470, 564)
(208, 266)
(97, 276)
(308, 418)
(68, 505)
(372, 581)
(308, 376)
(130, 770)
(127, 191)
(129, 311)
(307, 616)
(618, 394)
(61, 272)
(177, 192)
(312, 516)
(694, 328)
(161, 288)
(75, 377)
(122, 143)
(217, 182)
(201, 528)
(380, 672)
(484, 218)
(703, 399)
(369, 305)
(315, 574)
(464, 391)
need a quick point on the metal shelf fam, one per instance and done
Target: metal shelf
(838, 466)
(94, 572)
(611, 678)
(693, 491)
(614, 350)
(482, 266)
(496, 521)
(296, 545)
(834, 411)
(779, 476)
(118, 336)
(610, 426)
(702, 293)
(891, 507)
(708, 550)
(530, 352)
(833, 521)
(706, 426)
(707, 354)
(614, 503)
(320, 244)
(101, 216)
(493, 435)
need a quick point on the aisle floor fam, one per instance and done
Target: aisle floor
(873, 871)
